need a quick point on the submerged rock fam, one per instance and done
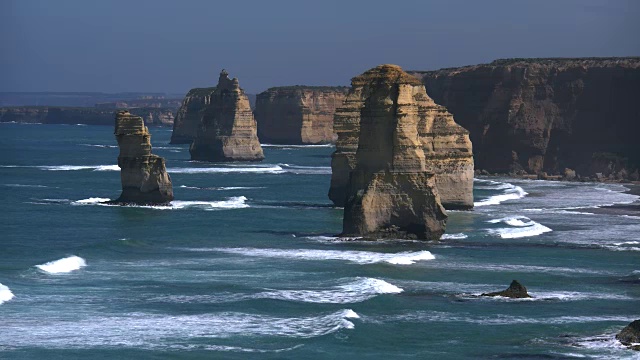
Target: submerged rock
(298, 114)
(630, 335)
(390, 193)
(227, 131)
(515, 291)
(144, 176)
(445, 145)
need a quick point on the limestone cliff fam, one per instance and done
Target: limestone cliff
(143, 175)
(189, 116)
(446, 147)
(80, 115)
(298, 114)
(390, 192)
(227, 131)
(545, 115)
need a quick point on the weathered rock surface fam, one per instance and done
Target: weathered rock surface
(390, 192)
(445, 145)
(143, 175)
(515, 291)
(228, 130)
(80, 115)
(630, 335)
(298, 114)
(189, 116)
(546, 114)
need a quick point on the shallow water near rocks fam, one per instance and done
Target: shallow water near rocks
(245, 264)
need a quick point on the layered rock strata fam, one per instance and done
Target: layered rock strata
(545, 115)
(190, 114)
(227, 130)
(390, 192)
(143, 175)
(445, 144)
(298, 114)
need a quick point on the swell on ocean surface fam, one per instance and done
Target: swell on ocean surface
(521, 226)
(509, 192)
(64, 265)
(359, 257)
(153, 331)
(5, 294)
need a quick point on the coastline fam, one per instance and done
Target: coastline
(632, 209)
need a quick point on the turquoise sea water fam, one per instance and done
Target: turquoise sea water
(245, 264)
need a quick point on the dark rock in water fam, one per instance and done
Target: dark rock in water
(515, 291)
(144, 177)
(228, 131)
(630, 335)
(391, 193)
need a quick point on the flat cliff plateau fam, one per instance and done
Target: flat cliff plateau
(573, 116)
(298, 114)
(153, 116)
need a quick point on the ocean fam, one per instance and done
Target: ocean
(245, 263)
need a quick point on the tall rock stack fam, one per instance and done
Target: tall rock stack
(298, 114)
(144, 176)
(446, 147)
(189, 116)
(227, 131)
(390, 193)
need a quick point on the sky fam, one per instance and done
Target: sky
(174, 45)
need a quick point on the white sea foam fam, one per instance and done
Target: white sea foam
(91, 201)
(63, 265)
(80, 167)
(25, 185)
(298, 146)
(352, 292)
(100, 146)
(359, 257)
(522, 227)
(5, 294)
(273, 169)
(510, 192)
(306, 170)
(155, 331)
(222, 188)
(236, 202)
(456, 236)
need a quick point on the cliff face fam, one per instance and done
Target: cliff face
(390, 192)
(446, 147)
(143, 175)
(80, 115)
(189, 116)
(298, 114)
(535, 115)
(227, 131)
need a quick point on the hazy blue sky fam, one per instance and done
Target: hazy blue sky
(172, 46)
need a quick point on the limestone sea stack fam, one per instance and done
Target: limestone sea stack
(446, 147)
(190, 114)
(390, 193)
(547, 115)
(227, 130)
(298, 114)
(144, 177)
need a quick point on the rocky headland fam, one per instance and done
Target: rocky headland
(144, 177)
(153, 116)
(227, 129)
(298, 114)
(390, 193)
(572, 118)
(445, 145)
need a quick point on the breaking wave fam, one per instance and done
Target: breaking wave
(274, 169)
(353, 292)
(457, 236)
(522, 227)
(5, 294)
(236, 202)
(64, 265)
(509, 192)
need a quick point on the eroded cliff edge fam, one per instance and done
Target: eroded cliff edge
(143, 175)
(227, 129)
(298, 114)
(446, 147)
(545, 115)
(390, 192)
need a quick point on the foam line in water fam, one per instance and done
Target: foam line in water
(457, 236)
(352, 292)
(274, 169)
(298, 146)
(522, 226)
(359, 257)
(236, 202)
(5, 294)
(63, 265)
(495, 319)
(509, 192)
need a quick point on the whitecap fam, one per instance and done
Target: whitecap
(91, 201)
(456, 236)
(352, 292)
(306, 170)
(5, 294)
(510, 192)
(274, 169)
(25, 185)
(80, 167)
(236, 202)
(63, 265)
(359, 257)
(100, 146)
(522, 227)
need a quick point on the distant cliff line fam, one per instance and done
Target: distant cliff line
(153, 116)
